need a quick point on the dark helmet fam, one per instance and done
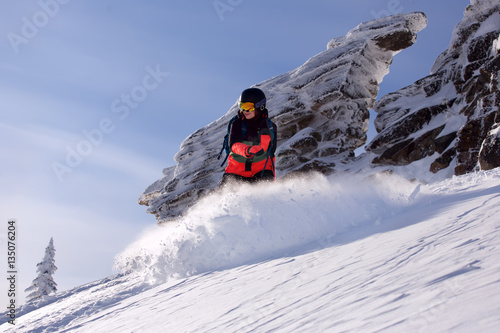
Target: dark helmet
(254, 95)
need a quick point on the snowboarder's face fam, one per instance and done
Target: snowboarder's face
(248, 109)
(249, 114)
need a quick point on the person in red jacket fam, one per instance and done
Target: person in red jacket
(252, 140)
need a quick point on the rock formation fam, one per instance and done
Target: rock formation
(321, 109)
(451, 115)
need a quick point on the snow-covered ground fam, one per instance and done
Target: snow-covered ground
(344, 253)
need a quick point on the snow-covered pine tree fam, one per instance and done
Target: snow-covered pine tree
(44, 284)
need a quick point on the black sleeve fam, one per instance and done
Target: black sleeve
(275, 139)
(235, 132)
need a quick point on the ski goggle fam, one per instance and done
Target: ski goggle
(247, 106)
(250, 107)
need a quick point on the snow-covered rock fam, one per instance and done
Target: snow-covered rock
(451, 114)
(321, 110)
(489, 156)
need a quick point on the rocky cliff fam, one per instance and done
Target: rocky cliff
(451, 115)
(446, 123)
(321, 110)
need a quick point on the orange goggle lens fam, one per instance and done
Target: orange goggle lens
(247, 106)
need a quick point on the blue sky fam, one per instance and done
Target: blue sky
(109, 89)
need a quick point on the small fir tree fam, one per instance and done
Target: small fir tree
(44, 285)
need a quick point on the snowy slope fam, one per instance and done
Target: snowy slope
(346, 253)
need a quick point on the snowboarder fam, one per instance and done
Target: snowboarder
(251, 140)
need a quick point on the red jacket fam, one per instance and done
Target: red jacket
(256, 134)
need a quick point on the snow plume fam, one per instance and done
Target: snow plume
(247, 224)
